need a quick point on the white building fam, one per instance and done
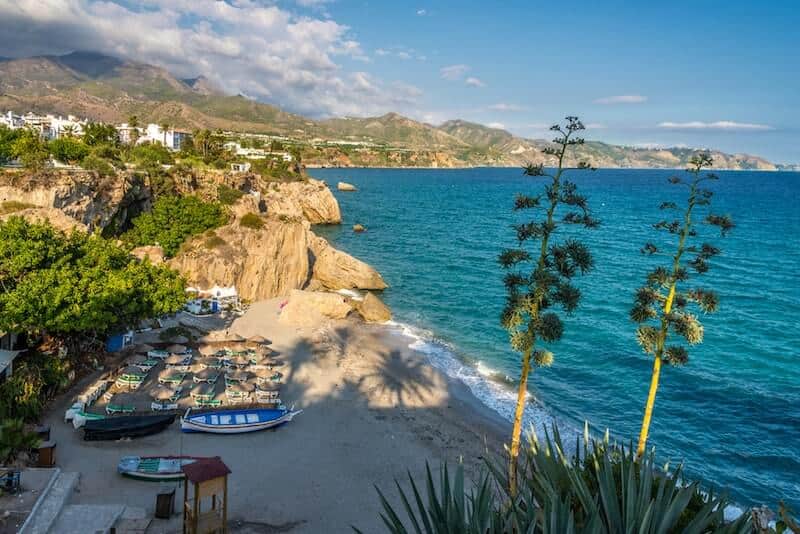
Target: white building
(256, 153)
(59, 126)
(12, 121)
(171, 138)
(126, 133)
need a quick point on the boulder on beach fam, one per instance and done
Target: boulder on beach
(309, 308)
(344, 186)
(373, 310)
(358, 228)
(334, 269)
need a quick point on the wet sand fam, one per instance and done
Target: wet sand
(373, 409)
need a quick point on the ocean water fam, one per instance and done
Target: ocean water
(732, 414)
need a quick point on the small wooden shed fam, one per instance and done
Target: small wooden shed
(206, 511)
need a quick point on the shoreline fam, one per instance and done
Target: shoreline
(374, 409)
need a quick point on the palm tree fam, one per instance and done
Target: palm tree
(164, 125)
(540, 277)
(133, 122)
(68, 130)
(659, 299)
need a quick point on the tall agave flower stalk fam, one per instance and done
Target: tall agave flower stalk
(540, 269)
(662, 307)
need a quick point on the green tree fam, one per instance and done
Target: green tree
(540, 269)
(7, 139)
(69, 131)
(208, 144)
(659, 301)
(68, 150)
(30, 150)
(164, 125)
(76, 285)
(173, 220)
(152, 155)
(98, 133)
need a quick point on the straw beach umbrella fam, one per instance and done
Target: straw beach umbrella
(237, 376)
(239, 361)
(235, 337)
(240, 387)
(260, 340)
(177, 349)
(182, 340)
(136, 358)
(203, 389)
(206, 375)
(210, 361)
(162, 393)
(176, 359)
(143, 348)
(132, 371)
(207, 349)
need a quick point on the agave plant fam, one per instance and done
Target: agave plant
(450, 510)
(607, 488)
(602, 488)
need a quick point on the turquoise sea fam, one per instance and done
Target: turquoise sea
(732, 414)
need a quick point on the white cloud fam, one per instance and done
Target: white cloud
(403, 55)
(718, 125)
(595, 126)
(502, 106)
(622, 99)
(453, 72)
(247, 47)
(498, 125)
(474, 82)
(422, 12)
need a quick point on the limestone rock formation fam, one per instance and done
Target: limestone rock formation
(260, 263)
(358, 228)
(93, 200)
(310, 200)
(373, 310)
(309, 308)
(344, 186)
(334, 269)
(154, 254)
(55, 217)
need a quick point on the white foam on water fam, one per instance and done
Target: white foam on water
(492, 388)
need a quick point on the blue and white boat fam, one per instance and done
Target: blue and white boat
(236, 421)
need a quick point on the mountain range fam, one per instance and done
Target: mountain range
(105, 88)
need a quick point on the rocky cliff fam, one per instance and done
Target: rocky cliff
(92, 200)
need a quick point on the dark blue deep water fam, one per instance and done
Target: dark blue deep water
(732, 414)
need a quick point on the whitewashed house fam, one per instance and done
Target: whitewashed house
(171, 138)
(11, 120)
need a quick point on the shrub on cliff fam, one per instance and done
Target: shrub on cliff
(228, 195)
(68, 150)
(151, 154)
(252, 221)
(173, 220)
(30, 150)
(76, 286)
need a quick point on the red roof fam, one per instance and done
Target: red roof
(205, 469)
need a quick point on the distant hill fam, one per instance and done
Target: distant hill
(106, 88)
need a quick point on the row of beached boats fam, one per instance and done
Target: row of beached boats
(214, 422)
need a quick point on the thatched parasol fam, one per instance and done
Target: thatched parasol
(235, 337)
(177, 349)
(203, 389)
(237, 376)
(207, 349)
(162, 393)
(261, 340)
(263, 372)
(176, 359)
(131, 370)
(143, 348)
(206, 374)
(269, 387)
(180, 339)
(136, 358)
(239, 360)
(240, 387)
(210, 361)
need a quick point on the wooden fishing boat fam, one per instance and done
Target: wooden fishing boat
(155, 468)
(236, 421)
(132, 426)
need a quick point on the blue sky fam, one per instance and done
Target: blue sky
(704, 74)
(688, 62)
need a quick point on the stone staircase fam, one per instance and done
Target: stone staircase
(53, 515)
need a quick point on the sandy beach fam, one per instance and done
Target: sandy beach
(373, 409)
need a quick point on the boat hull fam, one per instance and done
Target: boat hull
(132, 426)
(155, 468)
(236, 421)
